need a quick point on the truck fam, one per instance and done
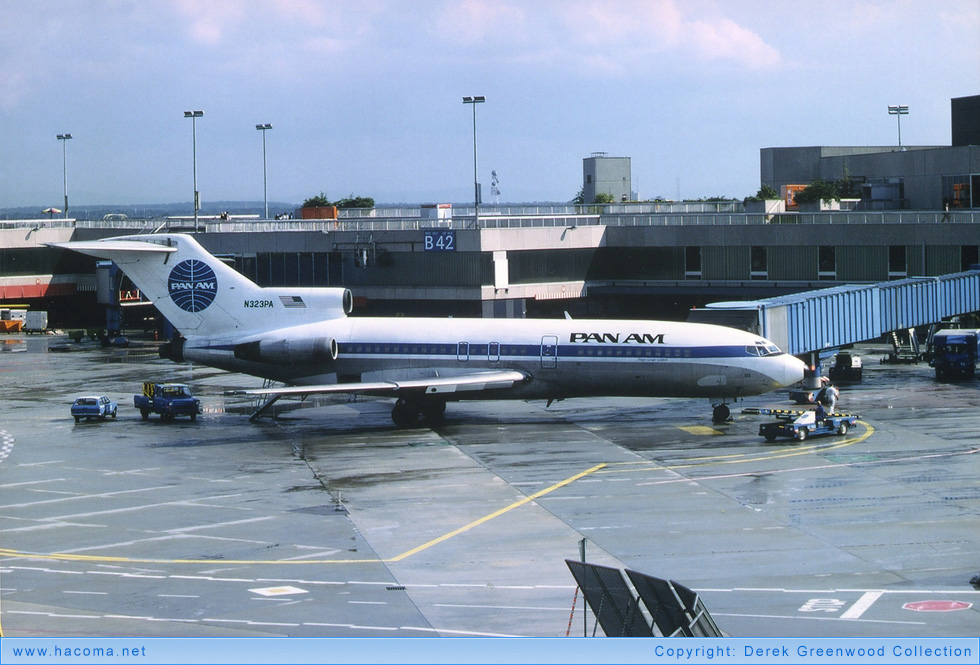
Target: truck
(801, 425)
(954, 353)
(168, 399)
(846, 367)
(36, 321)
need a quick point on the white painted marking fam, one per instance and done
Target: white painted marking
(89, 593)
(862, 605)
(503, 607)
(215, 525)
(813, 618)
(104, 495)
(313, 555)
(31, 482)
(175, 595)
(116, 574)
(279, 591)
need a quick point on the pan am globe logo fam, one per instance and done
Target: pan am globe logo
(192, 285)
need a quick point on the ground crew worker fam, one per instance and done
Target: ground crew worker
(832, 395)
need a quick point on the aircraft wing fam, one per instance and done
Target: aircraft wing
(430, 386)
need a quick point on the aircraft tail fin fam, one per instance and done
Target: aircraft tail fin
(201, 295)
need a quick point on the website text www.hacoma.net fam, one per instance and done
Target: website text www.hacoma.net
(80, 652)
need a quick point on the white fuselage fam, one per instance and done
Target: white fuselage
(563, 358)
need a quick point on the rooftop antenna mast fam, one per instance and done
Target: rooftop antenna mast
(494, 190)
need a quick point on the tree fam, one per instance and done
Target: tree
(765, 193)
(318, 201)
(819, 190)
(604, 197)
(355, 202)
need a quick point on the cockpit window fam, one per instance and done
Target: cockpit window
(763, 349)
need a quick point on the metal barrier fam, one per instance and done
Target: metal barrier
(674, 610)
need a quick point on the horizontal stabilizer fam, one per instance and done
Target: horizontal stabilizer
(99, 248)
(430, 386)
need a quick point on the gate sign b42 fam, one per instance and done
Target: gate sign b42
(442, 240)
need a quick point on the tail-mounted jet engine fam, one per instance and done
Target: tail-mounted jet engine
(312, 351)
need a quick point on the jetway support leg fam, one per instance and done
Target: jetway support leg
(812, 379)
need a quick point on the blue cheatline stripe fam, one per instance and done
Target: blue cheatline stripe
(568, 351)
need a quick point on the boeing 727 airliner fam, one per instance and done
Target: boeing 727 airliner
(304, 338)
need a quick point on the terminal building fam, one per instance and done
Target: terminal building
(893, 177)
(622, 260)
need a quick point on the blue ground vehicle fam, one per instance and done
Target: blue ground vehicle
(801, 425)
(168, 399)
(954, 353)
(93, 406)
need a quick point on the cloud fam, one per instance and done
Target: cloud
(479, 21)
(611, 38)
(724, 39)
(210, 21)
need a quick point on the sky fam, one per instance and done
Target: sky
(365, 96)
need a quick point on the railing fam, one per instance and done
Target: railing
(555, 209)
(45, 223)
(498, 220)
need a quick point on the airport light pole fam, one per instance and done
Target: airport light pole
(265, 182)
(473, 101)
(194, 115)
(64, 138)
(899, 111)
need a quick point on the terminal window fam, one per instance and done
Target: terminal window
(969, 256)
(759, 262)
(961, 191)
(692, 263)
(827, 263)
(897, 266)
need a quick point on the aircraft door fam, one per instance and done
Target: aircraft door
(493, 352)
(549, 352)
(463, 352)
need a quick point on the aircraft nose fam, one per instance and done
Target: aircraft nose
(790, 371)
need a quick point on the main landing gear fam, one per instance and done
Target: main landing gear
(409, 412)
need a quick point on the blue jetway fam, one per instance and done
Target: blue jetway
(826, 319)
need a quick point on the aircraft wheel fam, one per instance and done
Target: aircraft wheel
(433, 411)
(405, 414)
(842, 430)
(802, 434)
(721, 414)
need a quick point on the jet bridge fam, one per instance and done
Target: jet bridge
(825, 319)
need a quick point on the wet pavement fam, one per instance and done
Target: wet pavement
(328, 521)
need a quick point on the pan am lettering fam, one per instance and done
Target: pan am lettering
(614, 338)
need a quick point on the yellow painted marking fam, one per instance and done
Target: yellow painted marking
(498, 513)
(702, 430)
